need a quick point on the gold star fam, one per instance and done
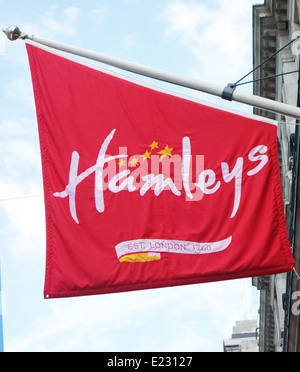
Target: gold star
(134, 162)
(122, 162)
(154, 145)
(147, 155)
(167, 151)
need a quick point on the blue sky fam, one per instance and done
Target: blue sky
(210, 40)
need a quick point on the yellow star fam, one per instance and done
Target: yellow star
(147, 155)
(134, 162)
(154, 145)
(167, 151)
(122, 162)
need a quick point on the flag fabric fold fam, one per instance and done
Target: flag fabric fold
(145, 188)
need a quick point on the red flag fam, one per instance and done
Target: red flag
(148, 189)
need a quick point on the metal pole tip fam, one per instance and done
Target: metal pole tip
(13, 33)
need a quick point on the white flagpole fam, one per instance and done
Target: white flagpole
(13, 33)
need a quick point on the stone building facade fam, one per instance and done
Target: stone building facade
(275, 24)
(244, 338)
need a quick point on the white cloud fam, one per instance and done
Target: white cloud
(20, 176)
(61, 25)
(193, 340)
(55, 22)
(218, 38)
(130, 1)
(19, 151)
(100, 13)
(12, 128)
(190, 318)
(185, 19)
(130, 41)
(3, 41)
(25, 217)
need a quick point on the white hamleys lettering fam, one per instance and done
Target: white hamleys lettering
(125, 180)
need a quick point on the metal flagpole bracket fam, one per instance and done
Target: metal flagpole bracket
(228, 91)
(13, 33)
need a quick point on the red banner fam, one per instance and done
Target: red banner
(147, 189)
